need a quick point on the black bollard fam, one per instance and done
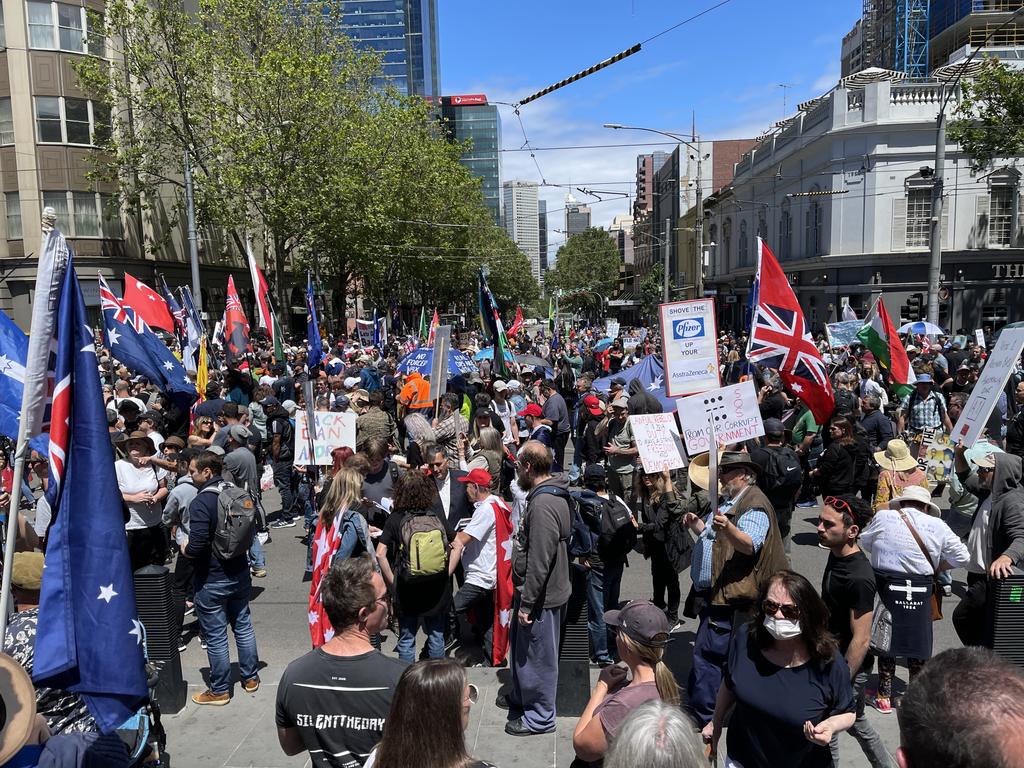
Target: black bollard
(156, 612)
(574, 651)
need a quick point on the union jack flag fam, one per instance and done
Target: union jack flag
(122, 314)
(780, 339)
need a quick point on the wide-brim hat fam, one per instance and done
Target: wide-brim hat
(896, 457)
(699, 472)
(18, 700)
(141, 442)
(916, 493)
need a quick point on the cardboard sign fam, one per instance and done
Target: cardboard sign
(689, 340)
(365, 328)
(979, 336)
(843, 334)
(936, 456)
(439, 364)
(733, 410)
(990, 385)
(611, 328)
(334, 429)
(657, 441)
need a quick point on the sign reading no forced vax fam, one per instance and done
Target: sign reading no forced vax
(689, 346)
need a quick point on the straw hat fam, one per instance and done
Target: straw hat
(700, 474)
(896, 457)
(915, 493)
(18, 700)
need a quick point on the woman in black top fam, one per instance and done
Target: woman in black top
(785, 682)
(666, 544)
(836, 470)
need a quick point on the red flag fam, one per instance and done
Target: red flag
(503, 589)
(147, 303)
(780, 338)
(434, 324)
(325, 543)
(517, 325)
(236, 327)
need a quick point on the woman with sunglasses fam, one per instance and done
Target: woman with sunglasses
(785, 683)
(435, 741)
(202, 433)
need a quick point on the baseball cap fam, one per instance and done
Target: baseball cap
(595, 472)
(174, 442)
(593, 405)
(641, 620)
(531, 410)
(290, 406)
(478, 476)
(239, 433)
(216, 450)
(500, 386)
(988, 461)
(774, 427)
(618, 381)
(270, 400)
(924, 378)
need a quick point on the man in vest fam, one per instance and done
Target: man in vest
(414, 396)
(738, 547)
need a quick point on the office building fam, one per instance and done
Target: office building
(470, 118)
(577, 216)
(404, 35)
(542, 236)
(856, 226)
(522, 222)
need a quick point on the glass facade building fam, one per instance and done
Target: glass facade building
(470, 118)
(404, 35)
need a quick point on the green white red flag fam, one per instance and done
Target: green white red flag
(880, 337)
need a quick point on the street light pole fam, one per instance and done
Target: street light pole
(193, 239)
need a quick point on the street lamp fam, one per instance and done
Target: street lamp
(699, 239)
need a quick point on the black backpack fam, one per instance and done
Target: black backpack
(783, 473)
(846, 403)
(618, 531)
(582, 539)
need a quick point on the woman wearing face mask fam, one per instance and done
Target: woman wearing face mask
(785, 682)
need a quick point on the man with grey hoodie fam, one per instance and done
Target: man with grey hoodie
(996, 538)
(540, 573)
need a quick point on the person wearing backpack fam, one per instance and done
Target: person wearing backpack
(666, 544)
(780, 475)
(413, 554)
(219, 546)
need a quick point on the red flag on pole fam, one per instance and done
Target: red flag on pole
(147, 303)
(434, 324)
(780, 338)
(236, 327)
(517, 324)
(503, 589)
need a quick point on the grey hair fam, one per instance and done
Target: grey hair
(490, 439)
(873, 400)
(656, 735)
(419, 429)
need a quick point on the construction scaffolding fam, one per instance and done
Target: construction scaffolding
(912, 38)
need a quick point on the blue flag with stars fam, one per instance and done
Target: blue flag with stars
(89, 638)
(13, 354)
(132, 342)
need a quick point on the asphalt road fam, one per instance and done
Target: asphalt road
(243, 734)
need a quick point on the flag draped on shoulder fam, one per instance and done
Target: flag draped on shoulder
(493, 327)
(503, 589)
(147, 303)
(89, 639)
(236, 327)
(879, 335)
(314, 344)
(13, 357)
(781, 339)
(132, 342)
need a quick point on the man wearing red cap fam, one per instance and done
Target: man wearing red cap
(476, 546)
(534, 429)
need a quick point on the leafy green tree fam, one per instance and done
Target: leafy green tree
(587, 264)
(989, 121)
(652, 290)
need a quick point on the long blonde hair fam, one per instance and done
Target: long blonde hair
(346, 489)
(668, 688)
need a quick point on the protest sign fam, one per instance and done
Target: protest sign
(365, 328)
(439, 364)
(990, 385)
(631, 342)
(733, 410)
(657, 441)
(936, 455)
(690, 346)
(845, 333)
(611, 328)
(334, 429)
(979, 336)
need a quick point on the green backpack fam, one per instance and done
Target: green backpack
(423, 552)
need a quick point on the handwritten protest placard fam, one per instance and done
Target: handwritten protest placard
(990, 385)
(334, 429)
(658, 442)
(733, 410)
(936, 456)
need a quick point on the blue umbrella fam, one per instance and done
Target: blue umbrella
(487, 353)
(420, 361)
(603, 344)
(928, 329)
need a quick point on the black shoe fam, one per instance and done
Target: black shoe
(518, 728)
(501, 702)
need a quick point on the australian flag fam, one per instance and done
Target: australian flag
(89, 637)
(131, 341)
(314, 345)
(13, 354)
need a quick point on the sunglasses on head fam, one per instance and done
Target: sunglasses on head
(843, 506)
(790, 611)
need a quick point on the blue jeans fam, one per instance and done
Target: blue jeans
(257, 558)
(433, 626)
(603, 584)
(218, 604)
(285, 485)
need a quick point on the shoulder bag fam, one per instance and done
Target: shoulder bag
(936, 587)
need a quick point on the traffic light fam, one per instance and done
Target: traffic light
(913, 311)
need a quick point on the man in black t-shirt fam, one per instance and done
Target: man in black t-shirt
(281, 436)
(333, 701)
(848, 589)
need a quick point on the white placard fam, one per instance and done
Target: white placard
(732, 409)
(334, 429)
(657, 441)
(611, 328)
(439, 362)
(690, 346)
(990, 385)
(365, 328)
(979, 336)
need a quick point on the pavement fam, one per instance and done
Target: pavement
(243, 734)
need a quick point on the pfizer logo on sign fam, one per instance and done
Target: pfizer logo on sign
(690, 328)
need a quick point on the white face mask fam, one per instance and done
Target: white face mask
(782, 629)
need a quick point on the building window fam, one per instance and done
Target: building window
(919, 215)
(744, 256)
(13, 201)
(1001, 213)
(727, 239)
(59, 202)
(85, 214)
(3, 29)
(110, 215)
(6, 122)
(785, 233)
(61, 120)
(60, 26)
(87, 217)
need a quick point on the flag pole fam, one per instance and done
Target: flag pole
(12, 518)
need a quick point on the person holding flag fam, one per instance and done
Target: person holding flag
(486, 592)
(236, 327)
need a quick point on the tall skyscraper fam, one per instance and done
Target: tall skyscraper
(404, 34)
(522, 222)
(542, 230)
(577, 216)
(471, 118)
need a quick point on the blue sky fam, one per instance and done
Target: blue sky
(725, 68)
